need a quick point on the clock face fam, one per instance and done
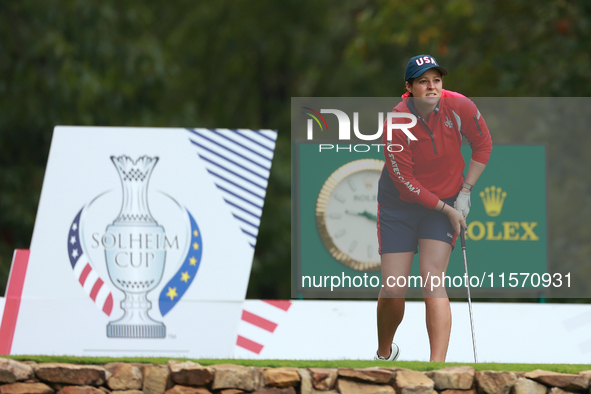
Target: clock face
(346, 214)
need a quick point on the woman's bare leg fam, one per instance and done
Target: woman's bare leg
(433, 261)
(391, 298)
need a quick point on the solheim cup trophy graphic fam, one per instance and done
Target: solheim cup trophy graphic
(134, 251)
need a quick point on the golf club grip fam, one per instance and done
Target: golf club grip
(463, 238)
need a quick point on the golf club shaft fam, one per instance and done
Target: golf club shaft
(463, 239)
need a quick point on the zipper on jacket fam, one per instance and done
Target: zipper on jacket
(430, 134)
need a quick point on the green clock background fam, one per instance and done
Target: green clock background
(519, 170)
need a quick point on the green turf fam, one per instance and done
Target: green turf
(415, 365)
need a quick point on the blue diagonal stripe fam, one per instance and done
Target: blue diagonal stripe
(244, 220)
(231, 172)
(246, 232)
(242, 209)
(233, 151)
(234, 141)
(261, 134)
(234, 184)
(241, 144)
(226, 159)
(237, 196)
(253, 141)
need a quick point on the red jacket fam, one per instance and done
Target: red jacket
(431, 168)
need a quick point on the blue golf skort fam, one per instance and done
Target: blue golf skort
(399, 229)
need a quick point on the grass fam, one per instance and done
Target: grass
(415, 365)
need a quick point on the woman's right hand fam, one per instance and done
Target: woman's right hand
(456, 219)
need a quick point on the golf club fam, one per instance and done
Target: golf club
(463, 238)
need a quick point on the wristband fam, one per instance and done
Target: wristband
(442, 207)
(467, 186)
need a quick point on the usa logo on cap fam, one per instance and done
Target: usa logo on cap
(425, 59)
(417, 66)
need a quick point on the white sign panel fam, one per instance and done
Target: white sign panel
(143, 241)
(346, 330)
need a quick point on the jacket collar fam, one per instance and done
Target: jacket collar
(411, 107)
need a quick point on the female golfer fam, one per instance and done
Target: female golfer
(421, 184)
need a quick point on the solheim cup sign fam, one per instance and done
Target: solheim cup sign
(134, 248)
(143, 243)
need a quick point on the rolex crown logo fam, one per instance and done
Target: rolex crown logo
(493, 198)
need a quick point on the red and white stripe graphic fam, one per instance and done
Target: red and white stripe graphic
(94, 286)
(14, 291)
(258, 323)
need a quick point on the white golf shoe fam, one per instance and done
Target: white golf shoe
(394, 353)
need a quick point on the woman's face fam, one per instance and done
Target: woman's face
(427, 85)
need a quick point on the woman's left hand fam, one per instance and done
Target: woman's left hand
(463, 204)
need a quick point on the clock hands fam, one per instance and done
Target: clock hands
(364, 213)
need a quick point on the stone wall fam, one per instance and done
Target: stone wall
(186, 377)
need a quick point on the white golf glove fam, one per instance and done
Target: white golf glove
(462, 204)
